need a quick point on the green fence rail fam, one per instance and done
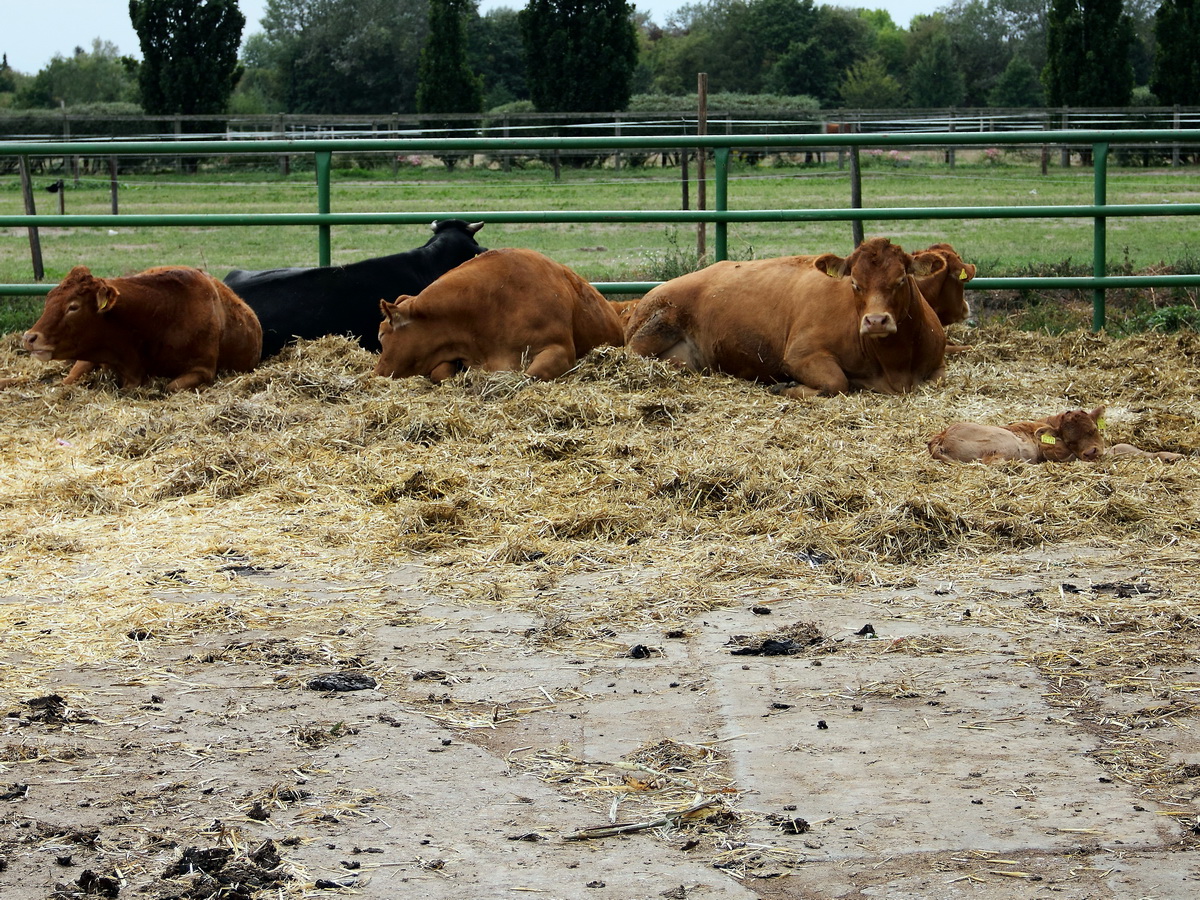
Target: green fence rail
(720, 216)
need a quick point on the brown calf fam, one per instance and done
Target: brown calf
(1070, 435)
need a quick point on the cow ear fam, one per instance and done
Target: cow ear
(1097, 416)
(831, 264)
(926, 264)
(106, 296)
(394, 313)
(967, 273)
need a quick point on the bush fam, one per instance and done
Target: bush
(727, 102)
(1167, 319)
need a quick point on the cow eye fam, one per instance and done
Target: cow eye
(73, 306)
(855, 286)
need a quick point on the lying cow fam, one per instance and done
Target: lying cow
(175, 322)
(503, 310)
(311, 303)
(1070, 435)
(828, 323)
(943, 287)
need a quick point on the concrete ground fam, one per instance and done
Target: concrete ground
(933, 754)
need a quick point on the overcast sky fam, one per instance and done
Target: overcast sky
(33, 33)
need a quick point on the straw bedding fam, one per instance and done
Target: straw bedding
(508, 487)
(517, 495)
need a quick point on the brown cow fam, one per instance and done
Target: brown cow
(503, 310)
(943, 286)
(829, 323)
(168, 321)
(1064, 437)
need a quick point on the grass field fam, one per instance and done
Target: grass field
(610, 252)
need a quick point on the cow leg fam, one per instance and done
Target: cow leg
(1130, 450)
(79, 369)
(188, 381)
(817, 373)
(551, 362)
(444, 370)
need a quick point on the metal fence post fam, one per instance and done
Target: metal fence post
(721, 201)
(1099, 235)
(1175, 147)
(324, 162)
(856, 225)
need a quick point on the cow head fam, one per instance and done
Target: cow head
(880, 277)
(1073, 434)
(75, 309)
(943, 285)
(395, 344)
(462, 230)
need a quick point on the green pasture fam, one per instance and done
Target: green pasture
(606, 252)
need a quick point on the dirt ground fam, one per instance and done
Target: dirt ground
(898, 745)
(633, 634)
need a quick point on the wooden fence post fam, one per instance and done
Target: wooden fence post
(856, 227)
(35, 243)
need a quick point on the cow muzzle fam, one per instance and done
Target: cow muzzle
(877, 325)
(36, 345)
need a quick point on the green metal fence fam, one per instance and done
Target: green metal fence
(720, 216)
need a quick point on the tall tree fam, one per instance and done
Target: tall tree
(579, 54)
(934, 79)
(817, 64)
(344, 56)
(1087, 64)
(987, 35)
(1018, 85)
(869, 86)
(8, 78)
(495, 53)
(1177, 60)
(189, 53)
(445, 81)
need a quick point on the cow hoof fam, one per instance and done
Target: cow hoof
(794, 390)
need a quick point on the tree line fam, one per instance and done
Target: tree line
(442, 56)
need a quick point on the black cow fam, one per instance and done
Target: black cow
(310, 303)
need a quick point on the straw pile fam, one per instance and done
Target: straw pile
(509, 487)
(514, 494)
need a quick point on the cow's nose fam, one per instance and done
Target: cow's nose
(29, 338)
(1090, 453)
(878, 323)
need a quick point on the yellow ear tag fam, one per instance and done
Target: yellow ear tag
(962, 274)
(1049, 439)
(1100, 423)
(102, 302)
(831, 274)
